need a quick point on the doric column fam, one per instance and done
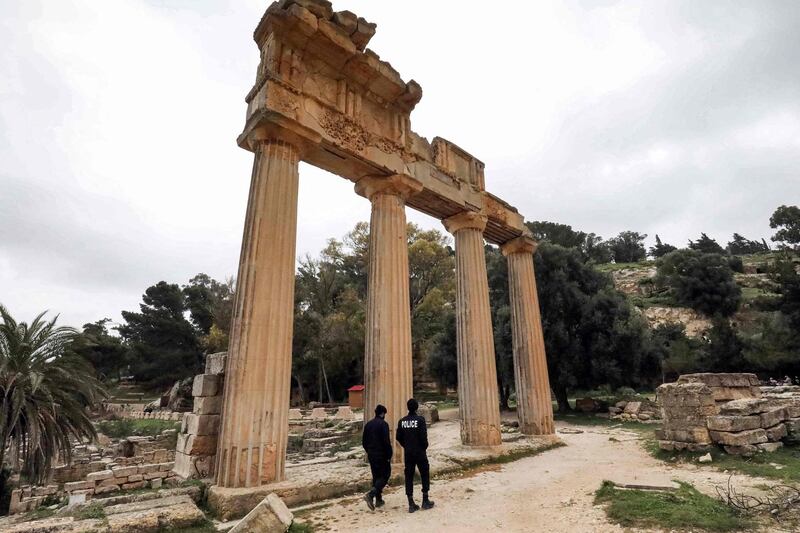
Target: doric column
(387, 358)
(478, 398)
(254, 432)
(534, 406)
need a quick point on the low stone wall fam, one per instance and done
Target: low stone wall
(684, 410)
(153, 415)
(134, 474)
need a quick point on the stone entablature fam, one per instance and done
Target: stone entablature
(349, 112)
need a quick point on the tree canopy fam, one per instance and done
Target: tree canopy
(786, 219)
(702, 281)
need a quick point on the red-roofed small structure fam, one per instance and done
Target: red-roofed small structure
(355, 396)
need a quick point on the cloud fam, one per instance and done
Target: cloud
(119, 168)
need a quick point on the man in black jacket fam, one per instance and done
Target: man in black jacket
(412, 434)
(379, 452)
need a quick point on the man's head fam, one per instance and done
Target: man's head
(380, 411)
(412, 405)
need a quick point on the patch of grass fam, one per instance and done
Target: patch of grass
(127, 427)
(787, 460)
(301, 527)
(39, 513)
(206, 527)
(684, 508)
(92, 511)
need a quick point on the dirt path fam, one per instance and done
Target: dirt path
(550, 492)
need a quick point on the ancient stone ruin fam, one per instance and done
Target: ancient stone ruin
(728, 410)
(322, 97)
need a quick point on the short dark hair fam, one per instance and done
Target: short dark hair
(379, 410)
(412, 405)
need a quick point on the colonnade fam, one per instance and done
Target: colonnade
(253, 435)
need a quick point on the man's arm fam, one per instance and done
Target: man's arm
(424, 434)
(399, 435)
(364, 438)
(387, 443)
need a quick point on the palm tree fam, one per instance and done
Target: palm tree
(45, 392)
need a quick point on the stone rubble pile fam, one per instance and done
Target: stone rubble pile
(728, 410)
(642, 410)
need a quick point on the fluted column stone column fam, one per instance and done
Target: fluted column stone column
(388, 377)
(254, 430)
(534, 405)
(478, 398)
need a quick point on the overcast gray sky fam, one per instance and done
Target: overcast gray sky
(118, 119)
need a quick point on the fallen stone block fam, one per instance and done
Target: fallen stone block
(745, 450)
(632, 408)
(318, 413)
(752, 436)
(78, 485)
(752, 406)
(773, 417)
(733, 423)
(269, 516)
(295, 414)
(776, 433)
(344, 413)
(769, 447)
(163, 514)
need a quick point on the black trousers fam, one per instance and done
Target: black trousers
(413, 462)
(381, 471)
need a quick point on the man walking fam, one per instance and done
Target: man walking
(379, 453)
(412, 434)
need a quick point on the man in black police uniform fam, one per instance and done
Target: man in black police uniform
(412, 434)
(378, 446)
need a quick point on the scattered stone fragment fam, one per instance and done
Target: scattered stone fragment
(269, 516)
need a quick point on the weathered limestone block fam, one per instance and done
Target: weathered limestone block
(752, 406)
(733, 423)
(694, 435)
(344, 413)
(295, 414)
(745, 450)
(173, 513)
(215, 363)
(124, 471)
(207, 405)
(206, 385)
(776, 433)
(269, 516)
(318, 413)
(769, 447)
(100, 476)
(78, 485)
(133, 485)
(632, 408)
(106, 489)
(197, 444)
(670, 446)
(773, 417)
(752, 436)
(793, 429)
(430, 412)
(194, 466)
(156, 483)
(201, 424)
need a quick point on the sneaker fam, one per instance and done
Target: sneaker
(427, 504)
(369, 498)
(379, 502)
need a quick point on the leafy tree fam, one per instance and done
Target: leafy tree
(787, 218)
(678, 353)
(628, 247)
(661, 249)
(706, 245)
(44, 394)
(105, 352)
(590, 245)
(725, 350)
(592, 334)
(443, 360)
(701, 281)
(164, 345)
(499, 301)
(742, 246)
(210, 306)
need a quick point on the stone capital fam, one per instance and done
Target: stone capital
(520, 245)
(465, 220)
(395, 185)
